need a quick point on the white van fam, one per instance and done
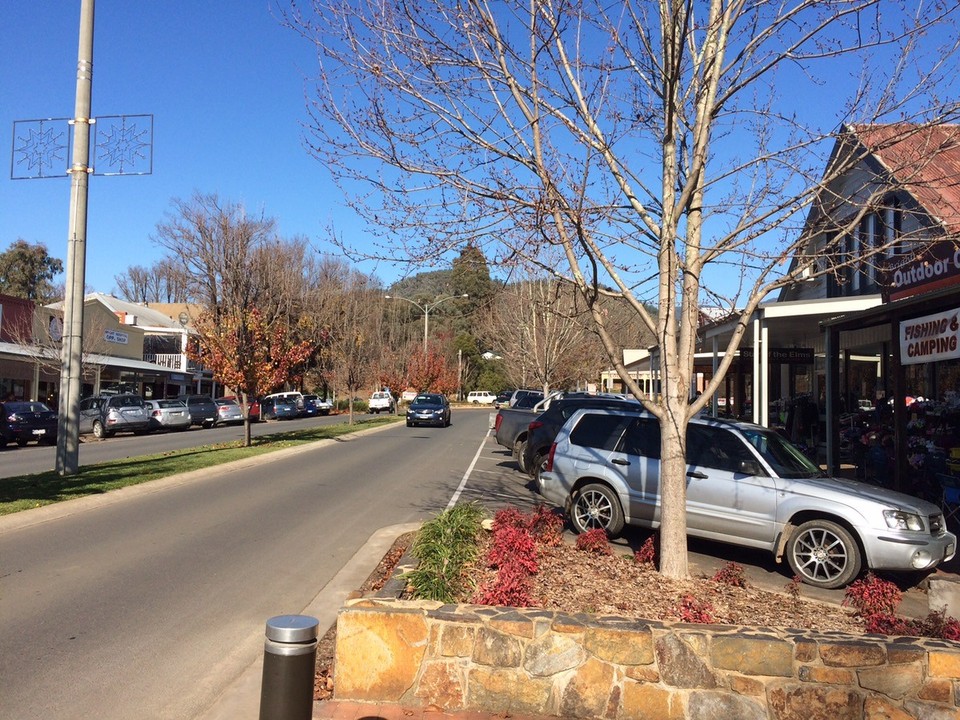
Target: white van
(291, 396)
(481, 397)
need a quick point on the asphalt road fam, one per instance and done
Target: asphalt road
(147, 602)
(15, 461)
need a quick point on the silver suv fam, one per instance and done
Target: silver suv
(104, 415)
(746, 485)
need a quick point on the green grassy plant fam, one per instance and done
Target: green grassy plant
(444, 546)
(30, 491)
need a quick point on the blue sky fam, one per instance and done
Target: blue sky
(225, 84)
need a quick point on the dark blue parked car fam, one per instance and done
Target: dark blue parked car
(26, 421)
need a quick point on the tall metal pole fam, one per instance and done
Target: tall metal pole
(426, 330)
(68, 429)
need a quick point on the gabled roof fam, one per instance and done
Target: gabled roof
(923, 161)
(147, 318)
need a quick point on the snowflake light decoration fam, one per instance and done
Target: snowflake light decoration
(39, 148)
(124, 144)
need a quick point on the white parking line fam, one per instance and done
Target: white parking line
(466, 475)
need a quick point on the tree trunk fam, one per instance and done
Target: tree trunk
(673, 494)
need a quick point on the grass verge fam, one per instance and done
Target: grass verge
(46, 488)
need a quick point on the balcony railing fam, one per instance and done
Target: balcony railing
(174, 361)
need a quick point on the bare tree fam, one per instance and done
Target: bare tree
(355, 331)
(163, 282)
(537, 326)
(670, 149)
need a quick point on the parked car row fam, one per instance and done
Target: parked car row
(106, 414)
(746, 485)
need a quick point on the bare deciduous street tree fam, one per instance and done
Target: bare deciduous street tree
(163, 282)
(538, 326)
(355, 335)
(671, 150)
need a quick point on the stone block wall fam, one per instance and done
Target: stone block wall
(469, 657)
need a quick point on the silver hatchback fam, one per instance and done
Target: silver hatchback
(746, 485)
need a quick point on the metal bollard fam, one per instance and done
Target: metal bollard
(289, 668)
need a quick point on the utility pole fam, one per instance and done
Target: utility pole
(68, 429)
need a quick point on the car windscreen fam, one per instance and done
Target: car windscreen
(427, 400)
(170, 404)
(786, 460)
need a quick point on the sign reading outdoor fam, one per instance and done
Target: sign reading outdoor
(905, 275)
(929, 338)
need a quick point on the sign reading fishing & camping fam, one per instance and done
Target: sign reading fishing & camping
(930, 338)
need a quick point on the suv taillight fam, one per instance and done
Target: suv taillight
(548, 465)
(534, 425)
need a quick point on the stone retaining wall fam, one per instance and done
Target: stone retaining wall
(470, 657)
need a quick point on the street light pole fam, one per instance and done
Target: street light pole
(71, 371)
(425, 309)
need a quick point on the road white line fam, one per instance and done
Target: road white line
(466, 475)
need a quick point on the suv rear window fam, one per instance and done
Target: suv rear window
(126, 401)
(599, 431)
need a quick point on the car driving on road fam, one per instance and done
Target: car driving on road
(429, 409)
(746, 485)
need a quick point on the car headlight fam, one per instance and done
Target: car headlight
(900, 520)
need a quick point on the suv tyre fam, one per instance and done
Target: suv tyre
(824, 554)
(596, 506)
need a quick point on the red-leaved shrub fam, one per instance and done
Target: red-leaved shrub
(692, 610)
(513, 546)
(509, 517)
(873, 596)
(594, 541)
(731, 574)
(793, 588)
(546, 526)
(877, 600)
(511, 587)
(647, 554)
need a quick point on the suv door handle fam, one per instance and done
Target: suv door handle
(697, 474)
(620, 461)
